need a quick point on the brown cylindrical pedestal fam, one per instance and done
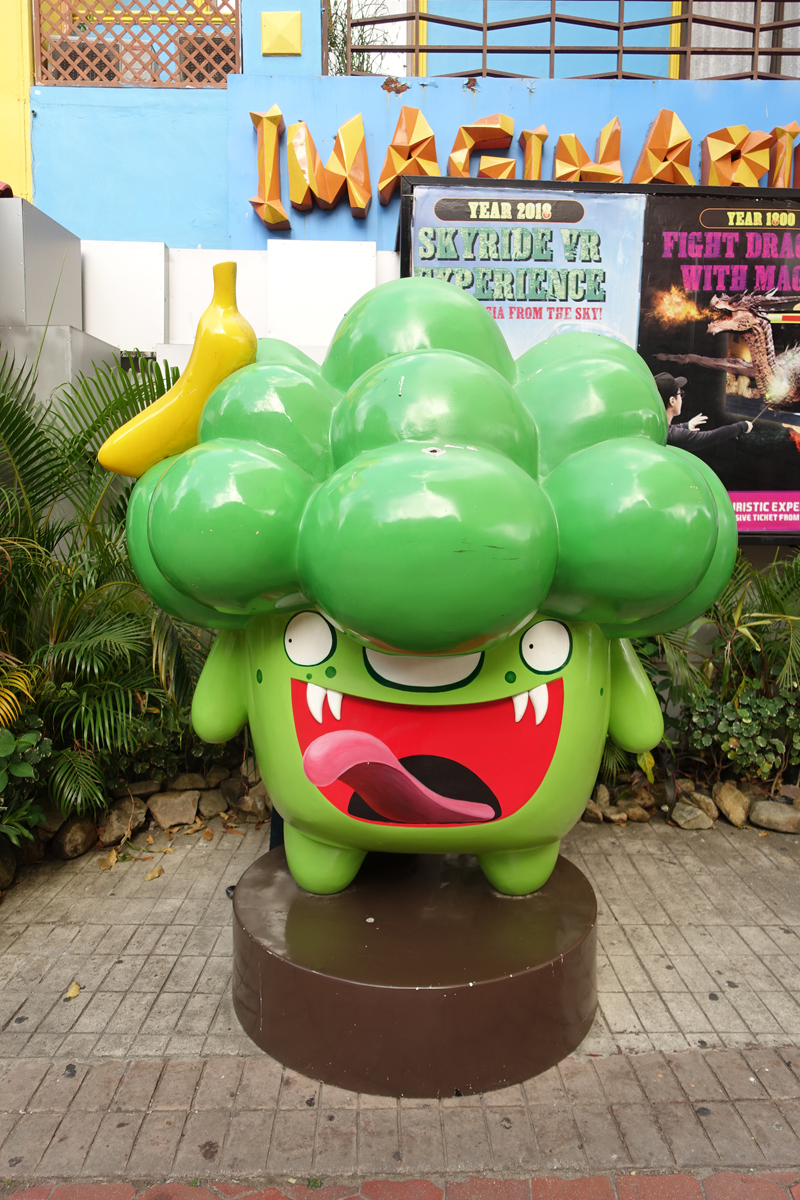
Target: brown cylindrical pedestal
(419, 979)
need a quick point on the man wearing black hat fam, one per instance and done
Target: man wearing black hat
(685, 434)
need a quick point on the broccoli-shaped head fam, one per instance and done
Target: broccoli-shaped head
(428, 494)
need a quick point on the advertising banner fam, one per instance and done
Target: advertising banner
(540, 264)
(720, 284)
(704, 282)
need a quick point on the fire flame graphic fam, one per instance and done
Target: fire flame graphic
(674, 308)
(794, 434)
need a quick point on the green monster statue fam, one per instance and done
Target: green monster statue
(426, 561)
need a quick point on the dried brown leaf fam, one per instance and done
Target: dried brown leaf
(105, 864)
(73, 991)
(208, 835)
(150, 840)
(154, 874)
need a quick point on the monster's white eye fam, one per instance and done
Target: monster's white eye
(309, 639)
(545, 647)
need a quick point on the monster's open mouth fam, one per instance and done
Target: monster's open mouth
(427, 765)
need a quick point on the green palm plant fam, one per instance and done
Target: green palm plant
(80, 640)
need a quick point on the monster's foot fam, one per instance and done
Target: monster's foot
(518, 872)
(317, 866)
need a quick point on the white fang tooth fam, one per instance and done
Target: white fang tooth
(335, 703)
(520, 704)
(539, 700)
(315, 698)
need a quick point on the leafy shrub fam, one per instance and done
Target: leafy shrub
(729, 683)
(86, 658)
(20, 755)
(758, 734)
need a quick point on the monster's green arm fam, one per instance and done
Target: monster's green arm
(218, 708)
(635, 721)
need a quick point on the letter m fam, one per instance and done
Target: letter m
(765, 278)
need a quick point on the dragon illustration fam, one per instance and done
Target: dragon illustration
(777, 376)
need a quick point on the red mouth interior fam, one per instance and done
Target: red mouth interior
(372, 751)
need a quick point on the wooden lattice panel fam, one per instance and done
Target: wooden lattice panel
(150, 44)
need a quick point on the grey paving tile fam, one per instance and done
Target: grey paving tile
(730, 1137)
(777, 1079)
(26, 1144)
(20, 1083)
(58, 1088)
(511, 1138)
(773, 1134)
(336, 1142)
(176, 1087)
(685, 1135)
(644, 1141)
(202, 1139)
(98, 1087)
(422, 1140)
(112, 1145)
(137, 1086)
(218, 1084)
(466, 1140)
(557, 1136)
(291, 1149)
(70, 1144)
(260, 1085)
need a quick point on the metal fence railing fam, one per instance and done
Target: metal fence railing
(692, 39)
(141, 43)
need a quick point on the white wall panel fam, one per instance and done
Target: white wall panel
(125, 293)
(387, 266)
(312, 285)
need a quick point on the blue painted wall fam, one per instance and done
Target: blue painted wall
(179, 166)
(133, 164)
(563, 105)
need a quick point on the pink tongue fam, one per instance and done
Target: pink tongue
(366, 765)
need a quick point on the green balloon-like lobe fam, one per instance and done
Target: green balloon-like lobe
(426, 550)
(413, 314)
(273, 350)
(160, 591)
(575, 345)
(637, 527)
(582, 389)
(287, 408)
(715, 578)
(635, 720)
(223, 525)
(437, 397)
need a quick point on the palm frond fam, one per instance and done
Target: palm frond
(179, 652)
(17, 684)
(29, 453)
(76, 782)
(614, 760)
(95, 645)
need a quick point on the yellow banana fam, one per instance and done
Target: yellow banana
(224, 342)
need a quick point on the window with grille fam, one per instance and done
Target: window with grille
(112, 44)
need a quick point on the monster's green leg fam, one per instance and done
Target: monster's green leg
(518, 872)
(317, 866)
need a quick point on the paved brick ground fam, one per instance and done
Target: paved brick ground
(775, 1185)
(247, 1118)
(691, 1065)
(699, 945)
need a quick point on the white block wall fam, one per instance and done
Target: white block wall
(142, 295)
(125, 293)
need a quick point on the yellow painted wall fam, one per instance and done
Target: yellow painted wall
(16, 77)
